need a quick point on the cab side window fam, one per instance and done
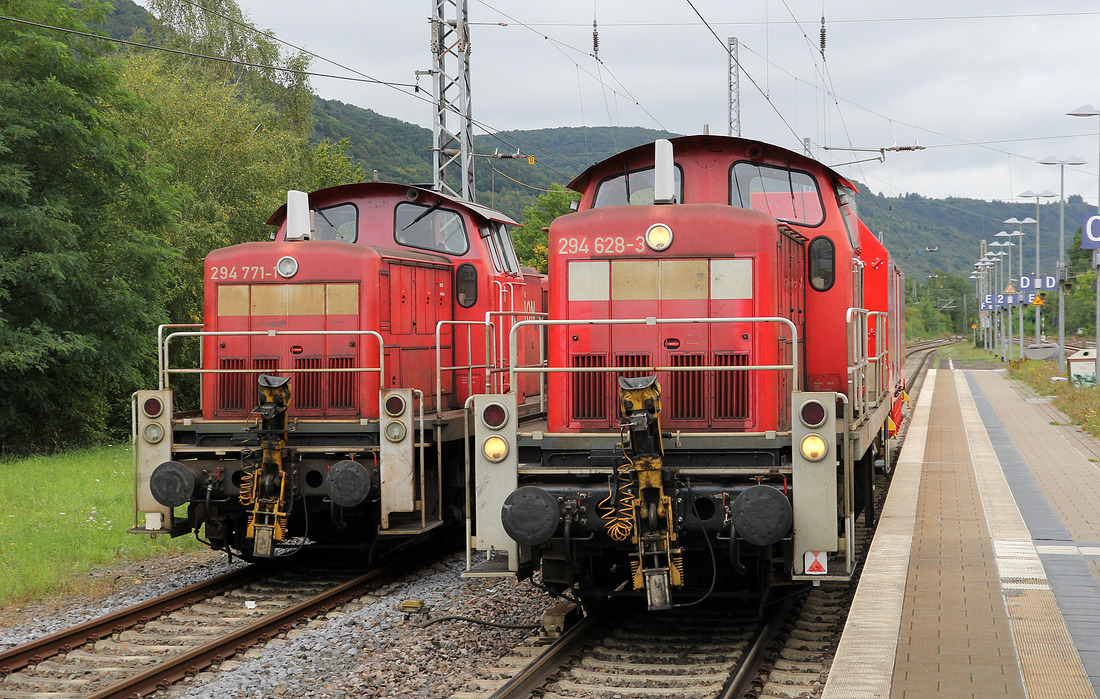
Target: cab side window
(430, 228)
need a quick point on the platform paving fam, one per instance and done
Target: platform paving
(984, 576)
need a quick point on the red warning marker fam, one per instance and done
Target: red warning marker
(815, 563)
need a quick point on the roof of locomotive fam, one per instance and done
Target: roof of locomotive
(348, 191)
(686, 143)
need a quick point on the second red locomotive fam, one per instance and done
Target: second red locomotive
(725, 366)
(336, 362)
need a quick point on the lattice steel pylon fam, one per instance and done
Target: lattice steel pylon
(452, 150)
(734, 89)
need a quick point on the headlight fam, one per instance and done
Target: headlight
(395, 430)
(152, 407)
(287, 267)
(658, 237)
(153, 432)
(813, 413)
(814, 447)
(495, 449)
(395, 405)
(494, 415)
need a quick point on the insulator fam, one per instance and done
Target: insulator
(822, 35)
(595, 39)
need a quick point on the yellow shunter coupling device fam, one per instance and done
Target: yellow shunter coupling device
(265, 489)
(657, 565)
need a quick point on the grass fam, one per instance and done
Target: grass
(65, 514)
(1080, 404)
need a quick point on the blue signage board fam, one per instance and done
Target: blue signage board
(1090, 232)
(1044, 282)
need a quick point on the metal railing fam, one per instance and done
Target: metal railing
(867, 373)
(165, 371)
(544, 369)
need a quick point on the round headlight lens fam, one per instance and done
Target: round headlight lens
(152, 407)
(813, 447)
(287, 267)
(395, 405)
(495, 449)
(153, 433)
(494, 415)
(658, 237)
(813, 413)
(395, 430)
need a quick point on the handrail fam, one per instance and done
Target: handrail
(380, 369)
(439, 368)
(515, 368)
(860, 324)
(162, 348)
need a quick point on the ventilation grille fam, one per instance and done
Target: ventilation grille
(232, 387)
(688, 397)
(309, 387)
(731, 399)
(589, 388)
(343, 386)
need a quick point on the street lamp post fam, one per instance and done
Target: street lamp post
(1008, 244)
(1087, 110)
(1046, 193)
(1019, 280)
(1062, 276)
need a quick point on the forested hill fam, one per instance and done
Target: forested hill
(924, 234)
(401, 152)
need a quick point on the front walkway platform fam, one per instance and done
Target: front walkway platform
(983, 579)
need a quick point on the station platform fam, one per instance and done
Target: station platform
(983, 579)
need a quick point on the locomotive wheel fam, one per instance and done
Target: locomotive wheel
(652, 516)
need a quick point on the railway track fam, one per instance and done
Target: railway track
(151, 646)
(702, 654)
(705, 651)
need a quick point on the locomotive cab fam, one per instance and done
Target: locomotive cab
(379, 309)
(711, 385)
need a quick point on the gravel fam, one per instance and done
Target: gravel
(370, 649)
(366, 649)
(141, 581)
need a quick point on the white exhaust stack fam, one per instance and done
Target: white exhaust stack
(297, 215)
(664, 180)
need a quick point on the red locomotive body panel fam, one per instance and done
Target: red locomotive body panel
(724, 263)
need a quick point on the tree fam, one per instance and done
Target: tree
(530, 238)
(83, 265)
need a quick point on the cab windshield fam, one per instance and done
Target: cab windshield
(788, 195)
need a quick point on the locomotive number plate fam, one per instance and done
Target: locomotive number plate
(601, 245)
(244, 274)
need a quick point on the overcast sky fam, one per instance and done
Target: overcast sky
(983, 86)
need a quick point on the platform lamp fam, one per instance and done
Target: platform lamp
(1062, 276)
(1045, 194)
(1007, 244)
(1001, 339)
(1087, 110)
(977, 292)
(1017, 222)
(1019, 280)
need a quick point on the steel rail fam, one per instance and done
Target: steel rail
(535, 673)
(191, 662)
(14, 659)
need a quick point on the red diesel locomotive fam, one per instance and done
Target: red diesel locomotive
(725, 366)
(336, 362)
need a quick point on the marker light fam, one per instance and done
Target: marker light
(658, 237)
(287, 267)
(152, 407)
(494, 416)
(153, 433)
(495, 449)
(395, 405)
(813, 413)
(395, 430)
(813, 447)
